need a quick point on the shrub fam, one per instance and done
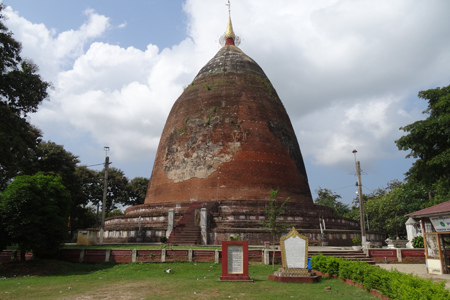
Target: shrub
(332, 266)
(356, 241)
(163, 239)
(318, 263)
(234, 237)
(391, 284)
(418, 242)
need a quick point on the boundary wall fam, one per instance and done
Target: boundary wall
(398, 255)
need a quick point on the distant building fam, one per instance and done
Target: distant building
(435, 224)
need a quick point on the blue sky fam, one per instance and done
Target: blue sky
(348, 73)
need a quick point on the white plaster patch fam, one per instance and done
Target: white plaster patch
(179, 166)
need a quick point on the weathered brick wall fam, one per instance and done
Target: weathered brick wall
(120, 256)
(204, 255)
(176, 255)
(233, 140)
(94, 256)
(148, 255)
(392, 255)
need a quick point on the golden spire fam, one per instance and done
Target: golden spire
(229, 38)
(229, 33)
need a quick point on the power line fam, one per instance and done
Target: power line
(96, 165)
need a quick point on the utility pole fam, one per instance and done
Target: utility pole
(105, 191)
(361, 207)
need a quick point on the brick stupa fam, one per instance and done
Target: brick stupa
(227, 142)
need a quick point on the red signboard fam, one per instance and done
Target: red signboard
(235, 261)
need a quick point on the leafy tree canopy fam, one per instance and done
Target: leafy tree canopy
(326, 197)
(21, 92)
(137, 189)
(117, 188)
(35, 212)
(386, 208)
(429, 142)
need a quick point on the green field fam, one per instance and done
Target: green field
(50, 279)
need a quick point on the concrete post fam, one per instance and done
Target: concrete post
(133, 255)
(82, 255)
(216, 256)
(190, 255)
(163, 255)
(266, 259)
(204, 226)
(107, 255)
(399, 255)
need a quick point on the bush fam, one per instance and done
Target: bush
(318, 263)
(418, 242)
(391, 284)
(356, 241)
(234, 237)
(163, 239)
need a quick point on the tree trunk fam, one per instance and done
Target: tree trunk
(273, 252)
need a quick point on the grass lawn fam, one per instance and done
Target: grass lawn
(51, 279)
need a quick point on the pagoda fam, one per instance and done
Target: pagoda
(227, 142)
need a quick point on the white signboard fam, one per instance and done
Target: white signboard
(441, 224)
(295, 248)
(235, 259)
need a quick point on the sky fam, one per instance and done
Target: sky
(347, 71)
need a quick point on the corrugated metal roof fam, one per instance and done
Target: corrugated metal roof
(433, 210)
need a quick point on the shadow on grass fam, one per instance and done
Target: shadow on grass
(49, 267)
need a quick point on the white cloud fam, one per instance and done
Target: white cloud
(52, 52)
(347, 72)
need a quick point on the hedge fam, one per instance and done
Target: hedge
(391, 284)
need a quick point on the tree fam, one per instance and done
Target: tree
(21, 92)
(117, 188)
(429, 142)
(273, 210)
(91, 192)
(52, 159)
(4, 239)
(137, 188)
(326, 197)
(36, 211)
(386, 208)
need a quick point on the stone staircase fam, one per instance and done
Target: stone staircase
(187, 229)
(348, 255)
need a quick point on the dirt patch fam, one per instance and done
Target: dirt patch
(122, 291)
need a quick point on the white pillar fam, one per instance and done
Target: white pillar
(133, 255)
(204, 226)
(108, 254)
(216, 256)
(170, 222)
(190, 255)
